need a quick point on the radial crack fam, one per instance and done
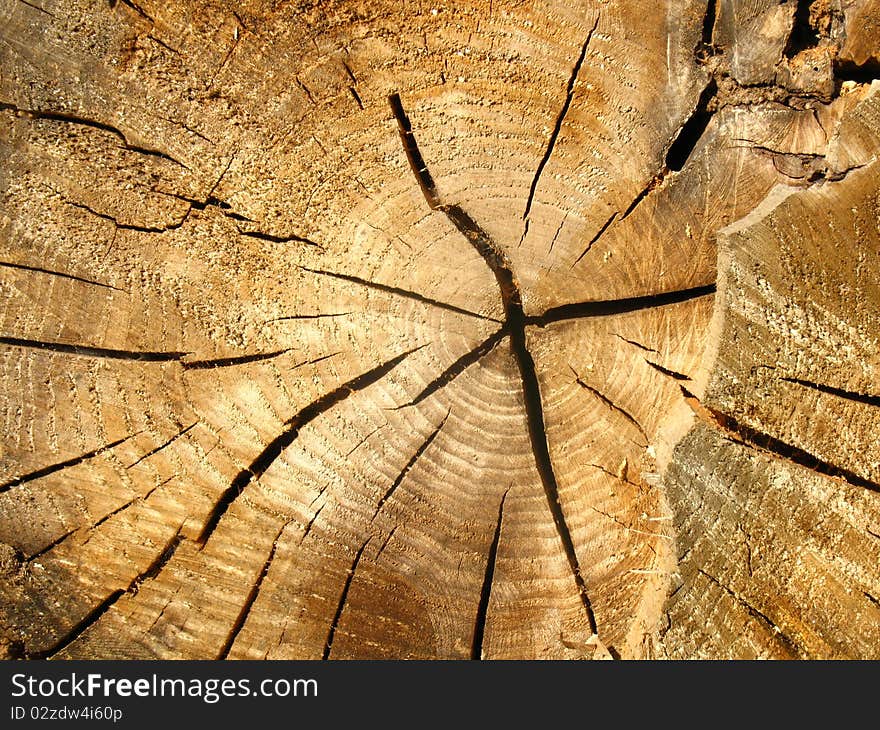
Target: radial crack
(790, 646)
(309, 316)
(36, 7)
(343, 597)
(409, 465)
(667, 372)
(274, 238)
(93, 123)
(405, 293)
(866, 398)
(93, 616)
(252, 596)
(457, 368)
(595, 238)
(129, 226)
(748, 436)
(541, 451)
(692, 130)
(560, 118)
(39, 270)
(52, 468)
(486, 590)
(611, 404)
(312, 520)
(494, 257)
(636, 344)
(604, 308)
(413, 155)
(293, 425)
(223, 362)
(87, 351)
(170, 441)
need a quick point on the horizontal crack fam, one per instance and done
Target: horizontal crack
(867, 399)
(603, 308)
(39, 270)
(320, 315)
(86, 122)
(87, 351)
(398, 292)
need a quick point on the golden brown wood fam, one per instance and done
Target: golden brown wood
(373, 330)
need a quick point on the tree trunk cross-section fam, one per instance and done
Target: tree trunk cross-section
(481, 329)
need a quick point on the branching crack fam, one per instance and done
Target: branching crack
(136, 8)
(385, 543)
(86, 122)
(293, 426)
(515, 327)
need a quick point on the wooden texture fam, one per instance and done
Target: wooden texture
(369, 330)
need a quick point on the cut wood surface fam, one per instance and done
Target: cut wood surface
(439, 330)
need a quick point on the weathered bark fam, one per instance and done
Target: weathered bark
(358, 329)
